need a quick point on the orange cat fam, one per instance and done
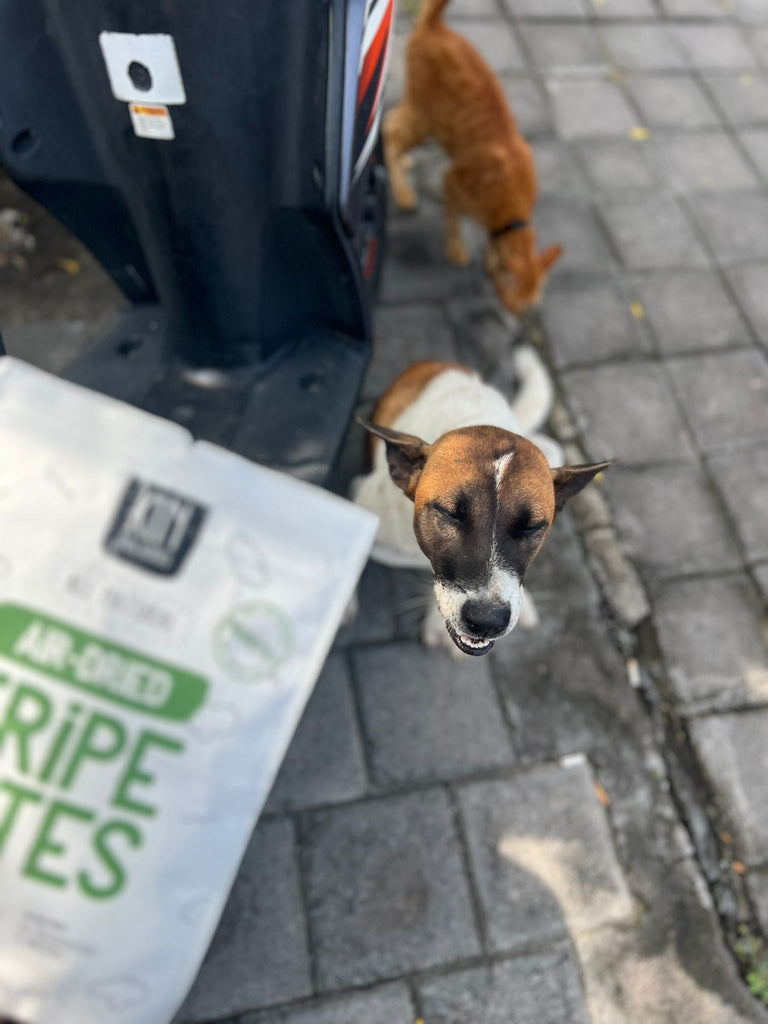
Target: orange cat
(453, 96)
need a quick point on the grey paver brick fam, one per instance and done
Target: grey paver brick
(486, 338)
(259, 952)
(742, 98)
(416, 268)
(714, 46)
(427, 715)
(672, 102)
(743, 482)
(709, 632)
(622, 8)
(590, 320)
(734, 224)
(496, 42)
(759, 40)
(386, 889)
(413, 590)
(375, 617)
(689, 310)
(760, 573)
(732, 414)
(704, 162)
(324, 763)
(755, 141)
(589, 108)
(650, 231)
(473, 8)
(540, 989)
(546, 8)
(404, 334)
(757, 883)
(542, 857)
(570, 223)
(751, 286)
(386, 1004)
(669, 521)
(613, 164)
(750, 11)
(558, 48)
(529, 105)
(564, 687)
(640, 47)
(693, 8)
(556, 169)
(627, 411)
(734, 751)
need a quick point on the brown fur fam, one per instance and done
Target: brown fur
(453, 96)
(465, 460)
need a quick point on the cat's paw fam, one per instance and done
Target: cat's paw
(458, 254)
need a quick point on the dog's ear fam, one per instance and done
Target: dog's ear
(569, 480)
(550, 256)
(406, 455)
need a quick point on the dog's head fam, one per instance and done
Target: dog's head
(484, 501)
(518, 270)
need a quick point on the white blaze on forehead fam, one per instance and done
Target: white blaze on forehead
(500, 467)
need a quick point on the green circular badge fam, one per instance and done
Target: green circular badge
(254, 641)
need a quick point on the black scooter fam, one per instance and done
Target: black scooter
(221, 160)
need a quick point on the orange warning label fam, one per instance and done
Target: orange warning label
(151, 122)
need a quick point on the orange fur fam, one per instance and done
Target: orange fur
(453, 96)
(403, 392)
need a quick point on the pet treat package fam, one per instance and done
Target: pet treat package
(165, 609)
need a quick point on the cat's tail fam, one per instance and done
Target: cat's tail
(533, 401)
(429, 12)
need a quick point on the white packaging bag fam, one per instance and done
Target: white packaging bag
(165, 609)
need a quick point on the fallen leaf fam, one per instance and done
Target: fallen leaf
(639, 133)
(68, 265)
(637, 310)
(746, 78)
(727, 838)
(739, 867)
(601, 794)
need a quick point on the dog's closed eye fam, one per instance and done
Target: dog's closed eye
(525, 528)
(453, 516)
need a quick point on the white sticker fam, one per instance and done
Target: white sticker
(151, 122)
(142, 68)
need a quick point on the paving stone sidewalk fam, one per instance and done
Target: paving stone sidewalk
(568, 830)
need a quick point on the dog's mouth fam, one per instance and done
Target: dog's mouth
(469, 644)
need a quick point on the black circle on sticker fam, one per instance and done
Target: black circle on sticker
(140, 75)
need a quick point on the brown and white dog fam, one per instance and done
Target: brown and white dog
(453, 96)
(471, 493)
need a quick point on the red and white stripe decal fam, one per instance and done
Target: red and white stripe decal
(373, 54)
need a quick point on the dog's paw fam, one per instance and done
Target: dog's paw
(529, 615)
(435, 636)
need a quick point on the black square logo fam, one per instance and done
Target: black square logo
(155, 528)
